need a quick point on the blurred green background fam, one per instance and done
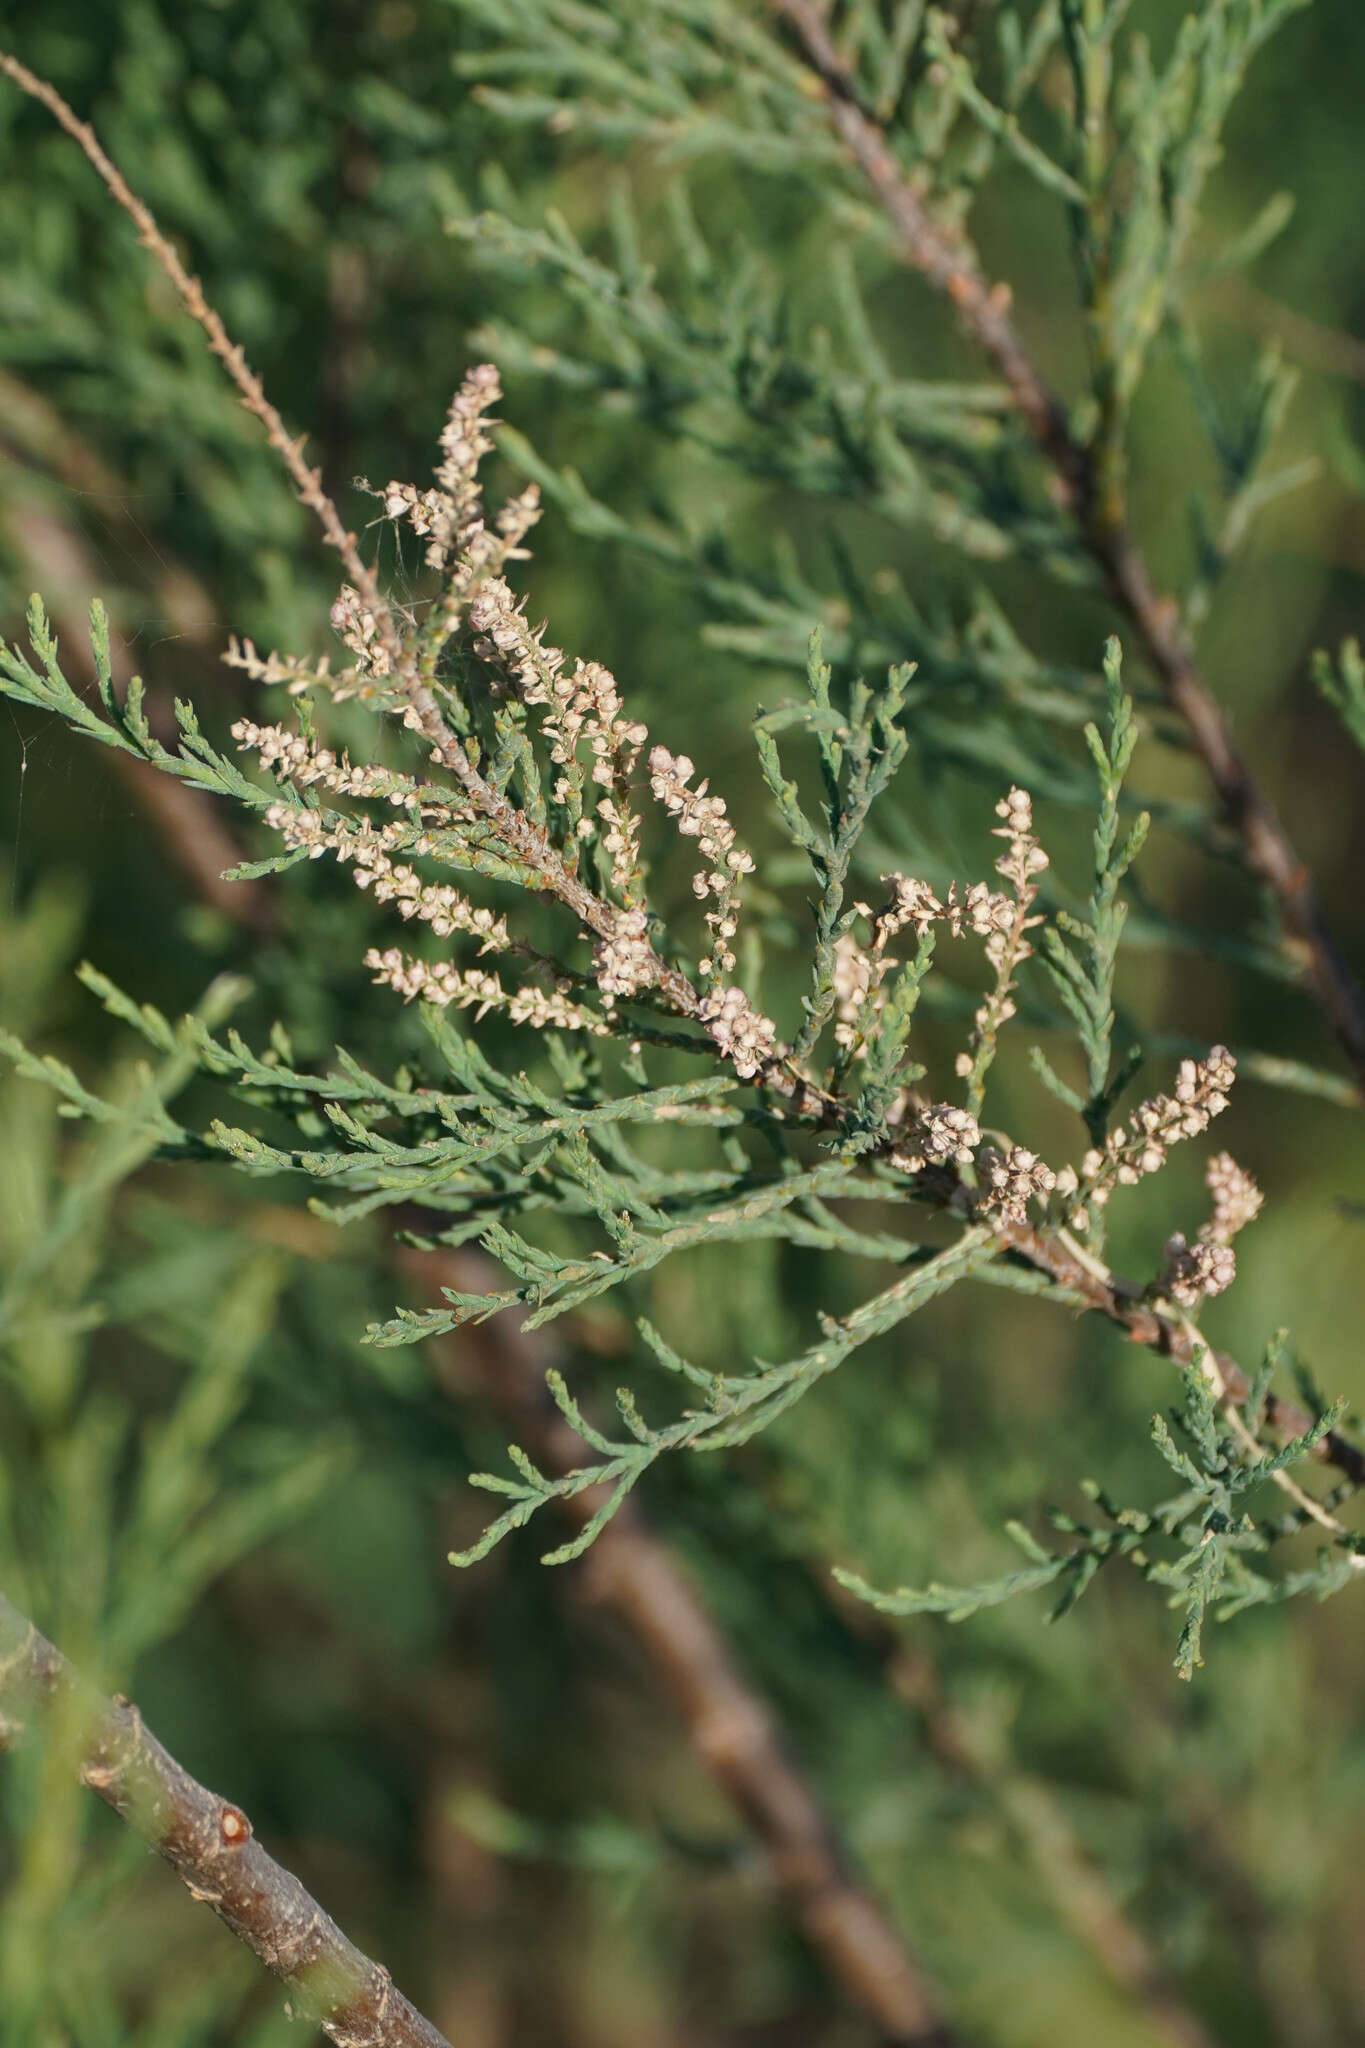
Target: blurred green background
(477, 1772)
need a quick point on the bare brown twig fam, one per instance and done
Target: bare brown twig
(210, 1845)
(634, 1576)
(1122, 1303)
(520, 836)
(950, 264)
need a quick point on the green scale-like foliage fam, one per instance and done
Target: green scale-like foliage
(496, 1153)
(810, 1158)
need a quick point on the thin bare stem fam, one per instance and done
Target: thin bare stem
(522, 839)
(950, 264)
(1119, 1301)
(210, 1845)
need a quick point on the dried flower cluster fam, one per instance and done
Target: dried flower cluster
(1237, 1200)
(582, 707)
(357, 626)
(577, 714)
(590, 741)
(746, 1037)
(622, 962)
(1011, 1180)
(371, 850)
(450, 518)
(860, 970)
(1007, 945)
(1139, 1146)
(473, 988)
(301, 761)
(1190, 1272)
(702, 817)
(939, 1135)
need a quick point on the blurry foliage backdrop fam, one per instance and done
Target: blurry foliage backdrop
(216, 1498)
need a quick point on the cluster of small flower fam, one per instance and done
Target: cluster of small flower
(1236, 1198)
(1140, 1145)
(475, 988)
(585, 705)
(858, 975)
(451, 517)
(1011, 1180)
(515, 521)
(620, 842)
(623, 962)
(425, 511)
(435, 903)
(464, 439)
(938, 1135)
(746, 1038)
(978, 908)
(1023, 857)
(309, 831)
(357, 625)
(1007, 945)
(505, 640)
(305, 763)
(859, 970)
(1189, 1272)
(703, 818)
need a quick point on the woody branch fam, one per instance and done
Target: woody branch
(209, 1844)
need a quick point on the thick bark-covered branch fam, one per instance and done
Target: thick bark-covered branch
(951, 266)
(210, 1845)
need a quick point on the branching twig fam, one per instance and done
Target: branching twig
(633, 1575)
(950, 265)
(210, 1845)
(631, 1572)
(1118, 1300)
(521, 837)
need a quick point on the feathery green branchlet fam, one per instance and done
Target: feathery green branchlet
(529, 777)
(494, 1154)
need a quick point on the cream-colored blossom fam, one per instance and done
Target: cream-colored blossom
(940, 1134)
(745, 1037)
(474, 988)
(1236, 1198)
(701, 816)
(623, 963)
(1139, 1146)
(1190, 1272)
(1011, 1180)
